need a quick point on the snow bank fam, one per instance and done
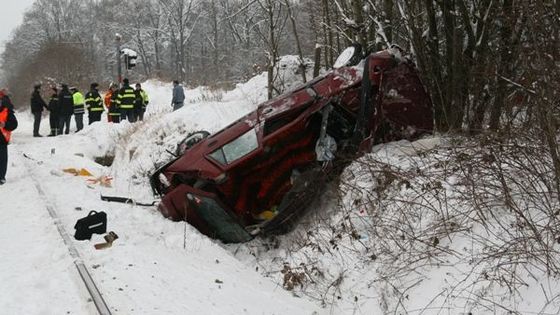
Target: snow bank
(424, 227)
(411, 228)
(156, 266)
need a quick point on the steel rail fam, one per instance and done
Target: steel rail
(92, 289)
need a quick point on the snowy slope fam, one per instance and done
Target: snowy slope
(156, 266)
(403, 231)
(423, 228)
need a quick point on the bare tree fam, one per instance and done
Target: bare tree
(274, 19)
(183, 17)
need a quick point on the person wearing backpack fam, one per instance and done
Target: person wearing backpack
(8, 123)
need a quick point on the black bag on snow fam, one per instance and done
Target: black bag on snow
(95, 222)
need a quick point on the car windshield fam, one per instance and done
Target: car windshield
(236, 149)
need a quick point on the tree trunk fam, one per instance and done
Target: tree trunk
(327, 30)
(435, 67)
(296, 35)
(317, 65)
(215, 71)
(361, 33)
(503, 65)
(388, 23)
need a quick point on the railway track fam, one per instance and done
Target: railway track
(83, 271)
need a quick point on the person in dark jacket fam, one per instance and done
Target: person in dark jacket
(178, 98)
(8, 123)
(66, 108)
(94, 104)
(54, 113)
(5, 99)
(125, 100)
(37, 105)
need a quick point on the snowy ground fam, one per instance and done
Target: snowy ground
(412, 228)
(156, 266)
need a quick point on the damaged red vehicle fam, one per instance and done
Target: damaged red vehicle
(260, 173)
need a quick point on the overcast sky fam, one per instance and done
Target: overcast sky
(12, 16)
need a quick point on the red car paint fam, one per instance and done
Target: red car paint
(273, 182)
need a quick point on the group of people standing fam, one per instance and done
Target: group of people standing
(122, 103)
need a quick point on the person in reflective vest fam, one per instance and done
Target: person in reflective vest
(111, 103)
(125, 100)
(8, 123)
(94, 104)
(141, 102)
(79, 108)
(54, 112)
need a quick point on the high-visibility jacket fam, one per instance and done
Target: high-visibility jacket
(94, 102)
(126, 98)
(114, 109)
(4, 118)
(79, 101)
(142, 99)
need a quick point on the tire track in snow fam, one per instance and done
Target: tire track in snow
(90, 285)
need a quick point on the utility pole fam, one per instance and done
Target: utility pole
(118, 38)
(126, 66)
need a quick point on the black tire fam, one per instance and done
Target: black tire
(190, 140)
(358, 55)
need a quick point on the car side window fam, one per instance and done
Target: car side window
(237, 149)
(218, 155)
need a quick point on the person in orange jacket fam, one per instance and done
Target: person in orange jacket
(107, 101)
(8, 123)
(110, 100)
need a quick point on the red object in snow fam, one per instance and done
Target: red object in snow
(260, 173)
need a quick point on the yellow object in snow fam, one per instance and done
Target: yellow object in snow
(267, 214)
(76, 172)
(84, 172)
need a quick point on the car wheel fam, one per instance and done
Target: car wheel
(190, 140)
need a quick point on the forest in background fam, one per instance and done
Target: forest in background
(488, 64)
